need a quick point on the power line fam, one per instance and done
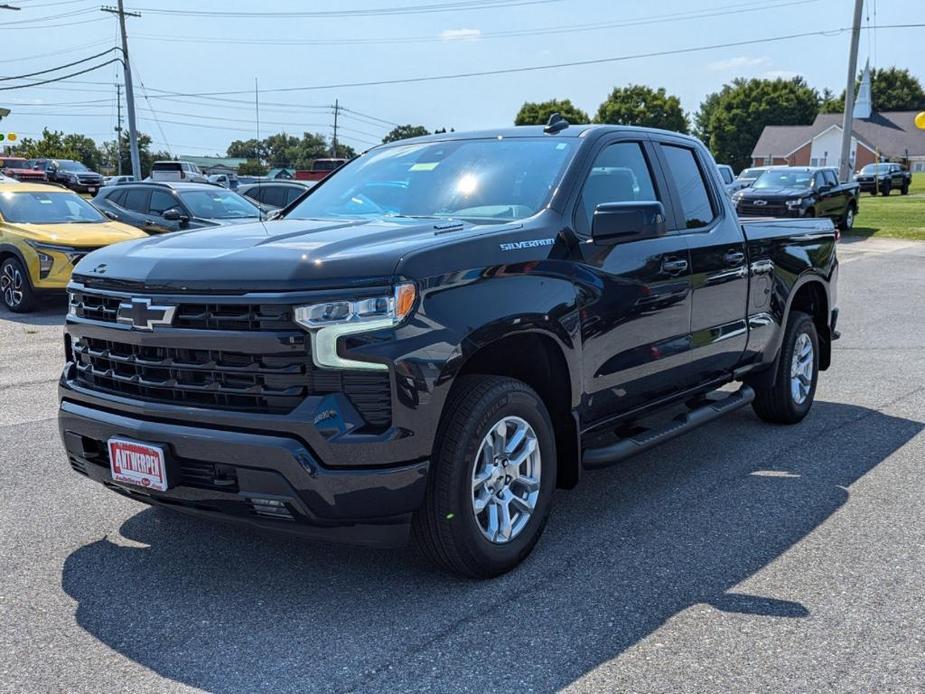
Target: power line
(553, 66)
(59, 67)
(513, 33)
(63, 51)
(63, 77)
(367, 12)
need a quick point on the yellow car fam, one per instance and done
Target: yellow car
(44, 231)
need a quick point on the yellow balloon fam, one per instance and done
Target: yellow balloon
(920, 121)
(12, 136)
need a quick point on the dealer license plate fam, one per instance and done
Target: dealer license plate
(91, 190)
(138, 463)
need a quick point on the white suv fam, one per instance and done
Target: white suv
(177, 171)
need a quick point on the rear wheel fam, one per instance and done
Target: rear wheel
(791, 396)
(847, 221)
(810, 213)
(15, 290)
(491, 480)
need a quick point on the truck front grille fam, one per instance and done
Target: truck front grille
(199, 377)
(266, 383)
(104, 308)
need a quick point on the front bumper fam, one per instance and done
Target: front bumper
(234, 475)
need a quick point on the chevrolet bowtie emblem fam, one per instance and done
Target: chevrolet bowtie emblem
(140, 314)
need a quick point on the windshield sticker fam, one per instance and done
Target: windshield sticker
(424, 166)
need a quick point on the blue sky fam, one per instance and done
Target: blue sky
(197, 54)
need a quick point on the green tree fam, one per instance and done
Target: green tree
(247, 149)
(637, 104)
(892, 89)
(403, 132)
(344, 151)
(745, 106)
(703, 116)
(252, 167)
(113, 151)
(538, 113)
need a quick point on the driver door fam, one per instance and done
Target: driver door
(635, 296)
(160, 202)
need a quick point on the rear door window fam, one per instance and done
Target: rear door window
(696, 206)
(274, 195)
(136, 200)
(292, 193)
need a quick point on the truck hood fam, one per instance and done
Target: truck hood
(283, 255)
(78, 235)
(774, 193)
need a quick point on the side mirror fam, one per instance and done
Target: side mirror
(273, 214)
(825, 188)
(111, 215)
(620, 222)
(171, 215)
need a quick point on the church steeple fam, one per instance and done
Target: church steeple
(863, 105)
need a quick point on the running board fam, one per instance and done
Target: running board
(624, 448)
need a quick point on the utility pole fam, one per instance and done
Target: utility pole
(118, 129)
(129, 92)
(334, 139)
(844, 170)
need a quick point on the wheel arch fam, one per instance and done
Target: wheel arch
(539, 360)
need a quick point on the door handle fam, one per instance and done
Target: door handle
(734, 258)
(674, 267)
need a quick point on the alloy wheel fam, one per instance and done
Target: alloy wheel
(506, 479)
(801, 369)
(11, 284)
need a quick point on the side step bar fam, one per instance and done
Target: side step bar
(624, 448)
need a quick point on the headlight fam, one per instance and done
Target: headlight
(796, 202)
(72, 254)
(72, 178)
(737, 196)
(327, 322)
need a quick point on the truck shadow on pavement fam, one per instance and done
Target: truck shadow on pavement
(50, 311)
(232, 610)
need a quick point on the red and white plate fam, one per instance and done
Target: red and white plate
(139, 464)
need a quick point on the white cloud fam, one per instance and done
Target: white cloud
(460, 34)
(741, 61)
(780, 74)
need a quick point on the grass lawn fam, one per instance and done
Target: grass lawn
(897, 216)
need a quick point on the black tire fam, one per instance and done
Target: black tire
(15, 289)
(446, 527)
(904, 190)
(886, 190)
(847, 221)
(810, 213)
(777, 404)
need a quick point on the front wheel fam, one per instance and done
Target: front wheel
(15, 290)
(491, 480)
(905, 189)
(791, 396)
(886, 190)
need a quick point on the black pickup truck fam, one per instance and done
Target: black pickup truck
(440, 334)
(884, 178)
(800, 191)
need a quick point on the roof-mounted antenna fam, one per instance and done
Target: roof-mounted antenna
(555, 124)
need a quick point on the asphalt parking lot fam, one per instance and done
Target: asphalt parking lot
(742, 557)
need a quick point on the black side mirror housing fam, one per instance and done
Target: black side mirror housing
(174, 215)
(621, 222)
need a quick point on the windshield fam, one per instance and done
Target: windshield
(47, 208)
(876, 168)
(72, 166)
(218, 204)
(483, 181)
(751, 173)
(784, 179)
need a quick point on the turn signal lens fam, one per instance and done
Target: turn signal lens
(404, 300)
